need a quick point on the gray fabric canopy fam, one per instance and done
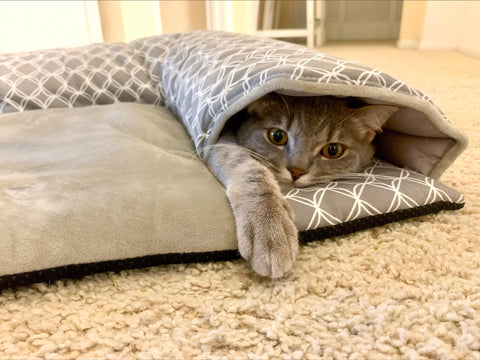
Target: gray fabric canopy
(206, 77)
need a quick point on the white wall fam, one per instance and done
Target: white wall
(412, 24)
(228, 15)
(470, 41)
(124, 21)
(32, 25)
(182, 15)
(452, 25)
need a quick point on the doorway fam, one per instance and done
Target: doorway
(363, 19)
(333, 19)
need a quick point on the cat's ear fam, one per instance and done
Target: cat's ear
(372, 118)
(264, 105)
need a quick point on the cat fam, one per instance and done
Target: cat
(279, 142)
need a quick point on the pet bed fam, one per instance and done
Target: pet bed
(97, 173)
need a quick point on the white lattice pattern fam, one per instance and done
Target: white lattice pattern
(198, 75)
(381, 188)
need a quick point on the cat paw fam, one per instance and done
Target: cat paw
(268, 238)
(275, 262)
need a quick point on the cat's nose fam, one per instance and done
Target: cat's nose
(296, 172)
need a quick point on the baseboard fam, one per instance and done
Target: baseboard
(470, 48)
(408, 44)
(438, 45)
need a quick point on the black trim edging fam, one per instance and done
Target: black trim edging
(78, 271)
(376, 220)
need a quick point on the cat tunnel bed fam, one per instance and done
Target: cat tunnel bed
(97, 173)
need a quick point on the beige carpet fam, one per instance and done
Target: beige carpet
(409, 290)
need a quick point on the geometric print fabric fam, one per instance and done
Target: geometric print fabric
(380, 189)
(197, 75)
(90, 75)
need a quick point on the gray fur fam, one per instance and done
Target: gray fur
(255, 171)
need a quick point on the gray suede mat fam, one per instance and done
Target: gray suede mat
(104, 184)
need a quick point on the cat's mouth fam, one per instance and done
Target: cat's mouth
(302, 183)
(287, 183)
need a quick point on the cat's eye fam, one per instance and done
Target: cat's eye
(332, 151)
(277, 136)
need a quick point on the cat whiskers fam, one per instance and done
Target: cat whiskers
(265, 161)
(359, 175)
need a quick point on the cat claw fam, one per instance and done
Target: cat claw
(277, 263)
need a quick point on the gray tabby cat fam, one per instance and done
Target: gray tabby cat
(279, 142)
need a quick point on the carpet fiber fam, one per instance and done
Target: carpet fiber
(408, 290)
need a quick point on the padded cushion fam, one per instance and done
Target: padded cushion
(102, 183)
(119, 186)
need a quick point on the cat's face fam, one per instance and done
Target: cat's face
(309, 140)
